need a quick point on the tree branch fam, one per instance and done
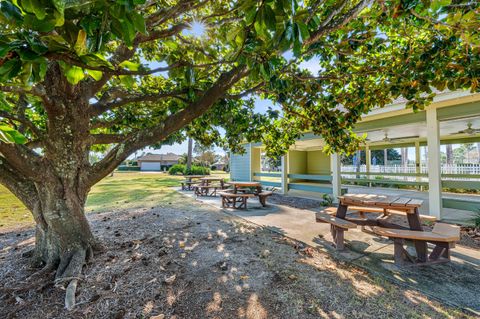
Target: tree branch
(18, 184)
(163, 130)
(107, 138)
(101, 107)
(23, 159)
(328, 25)
(23, 121)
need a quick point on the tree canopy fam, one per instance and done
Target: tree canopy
(141, 70)
(78, 76)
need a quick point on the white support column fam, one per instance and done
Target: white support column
(368, 161)
(418, 163)
(368, 158)
(285, 174)
(434, 168)
(336, 176)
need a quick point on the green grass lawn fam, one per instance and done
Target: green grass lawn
(125, 190)
(12, 211)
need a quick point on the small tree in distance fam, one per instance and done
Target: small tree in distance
(76, 76)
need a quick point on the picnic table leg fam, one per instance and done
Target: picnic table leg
(341, 211)
(420, 246)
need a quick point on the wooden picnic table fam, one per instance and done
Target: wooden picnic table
(208, 180)
(408, 205)
(190, 177)
(237, 185)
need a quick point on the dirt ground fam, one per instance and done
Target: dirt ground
(182, 259)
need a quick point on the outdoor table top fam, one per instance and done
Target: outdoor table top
(382, 201)
(245, 184)
(212, 178)
(194, 176)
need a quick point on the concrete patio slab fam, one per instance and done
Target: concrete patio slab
(455, 283)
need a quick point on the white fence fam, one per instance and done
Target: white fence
(461, 169)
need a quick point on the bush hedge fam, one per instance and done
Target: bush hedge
(194, 170)
(128, 168)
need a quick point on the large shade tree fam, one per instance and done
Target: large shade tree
(76, 76)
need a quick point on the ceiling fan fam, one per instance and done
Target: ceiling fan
(390, 140)
(469, 130)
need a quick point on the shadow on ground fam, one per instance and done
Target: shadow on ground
(455, 283)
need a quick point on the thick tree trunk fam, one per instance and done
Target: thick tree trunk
(63, 230)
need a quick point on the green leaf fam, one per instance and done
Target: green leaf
(10, 12)
(10, 69)
(96, 75)
(138, 22)
(130, 65)
(437, 4)
(45, 25)
(35, 7)
(95, 59)
(74, 74)
(269, 18)
(81, 44)
(127, 80)
(59, 13)
(10, 135)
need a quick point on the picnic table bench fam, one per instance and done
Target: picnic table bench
(246, 188)
(230, 199)
(189, 183)
(206, 190)
(337, 227)
(443, 236)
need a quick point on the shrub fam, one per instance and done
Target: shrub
(197, 170)
(476, 219)
(327, 200)
(194, 170)
(128, 168)
(176, 169)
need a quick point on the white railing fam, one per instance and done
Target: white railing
(461, 169)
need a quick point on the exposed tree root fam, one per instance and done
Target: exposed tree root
(69, 271)
(36, 281)
(67, 275)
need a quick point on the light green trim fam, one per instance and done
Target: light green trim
(461, 184)
(383, 181)
(461, 175)
(267, 174)
(459, 111)
(311, 177)
(390, 121)
(468, 205)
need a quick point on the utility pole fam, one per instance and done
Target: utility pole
(189, 154)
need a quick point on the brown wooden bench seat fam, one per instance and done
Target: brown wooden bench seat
(333, 211)
(262, 197)
(206, 190)
(230, 200)
(443, 236)
(337, 227)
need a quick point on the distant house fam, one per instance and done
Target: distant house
(219, 166)
(157, 162)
